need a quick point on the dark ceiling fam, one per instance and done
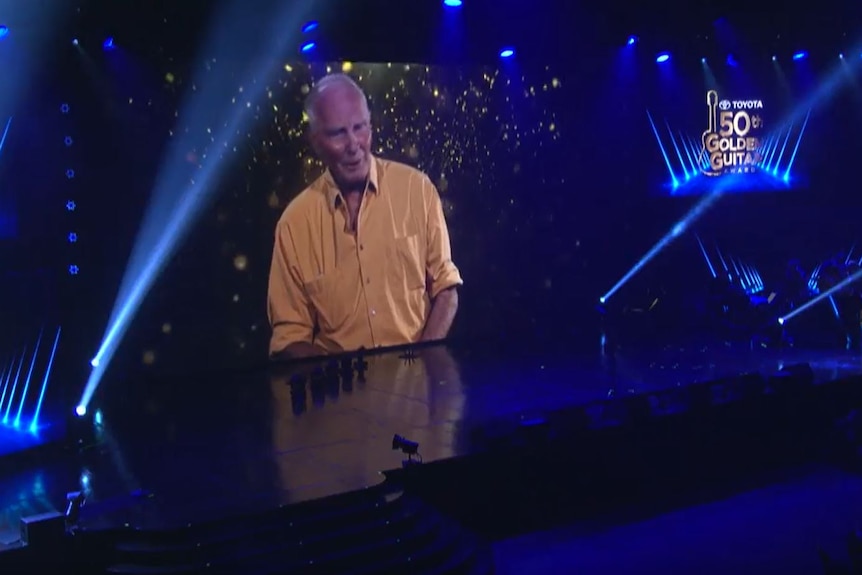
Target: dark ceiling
(542, 30)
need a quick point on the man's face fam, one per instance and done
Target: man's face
(341, 137)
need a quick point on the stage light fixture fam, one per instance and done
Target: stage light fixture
(800, 55)
(75, 42)
(108, 44)
(4, 31)
(452, 3)
(841, 56)
(308, 47)
(774, 58)
(73, 270)
(406, 446)
(632, 40)
(81, 411)
(507, 53)
(309, 26)
(703, 60)
(74, 502)
(663, 57)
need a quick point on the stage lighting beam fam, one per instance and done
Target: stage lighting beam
(678, 229)
(817, 299)
(662, 58)
(177, 201)
(506, 53)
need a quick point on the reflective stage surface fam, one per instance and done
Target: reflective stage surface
(170, 452)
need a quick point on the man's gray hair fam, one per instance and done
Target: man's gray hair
(321, 85)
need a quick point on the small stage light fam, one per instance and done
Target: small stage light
(452, 3)
(108, 44)
(81, 411)
(663, 57)
(94, 362)
(74, 42)
(632, 40)
(841, 56)
(4, 31)
(73, 237)
(307, 47)
(774, 58)
(703, 60)
(406, 446)
(73, 270)
(800, 55)
(309, 26)
(507, 53)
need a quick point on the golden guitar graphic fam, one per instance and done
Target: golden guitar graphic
(703, 158)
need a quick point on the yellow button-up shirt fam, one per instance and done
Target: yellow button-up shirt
(342, 290)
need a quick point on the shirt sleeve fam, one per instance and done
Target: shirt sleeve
(291, 315)
(440, 269)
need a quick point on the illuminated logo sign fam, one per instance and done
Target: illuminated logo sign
(735, 144)
(732, 142)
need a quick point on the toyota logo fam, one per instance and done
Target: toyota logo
(724, 104)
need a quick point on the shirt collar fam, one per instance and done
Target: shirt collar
(333, 195)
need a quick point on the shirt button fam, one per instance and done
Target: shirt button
(374, 312)
(368, 281)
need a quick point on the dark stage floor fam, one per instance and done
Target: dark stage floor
(185, 450)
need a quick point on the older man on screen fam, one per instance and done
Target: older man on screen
(362, 256)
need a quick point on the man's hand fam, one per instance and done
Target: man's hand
(299, 350)
(443, 310)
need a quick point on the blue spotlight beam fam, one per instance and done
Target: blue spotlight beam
(17, 421)
(14, 387)
(776, 141)
(688, 153)
(721, 258)
(706, 256)
(796, 147)
(678, 153)
(5, 133)
(5, 379)
(817, 299)
(34, 423)
(774, 168)
(178, 200)
(678, 229)
(663, 151)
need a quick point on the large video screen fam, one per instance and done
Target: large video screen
(540, 192)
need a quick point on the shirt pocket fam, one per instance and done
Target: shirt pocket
(409, 260)
(331, 299)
